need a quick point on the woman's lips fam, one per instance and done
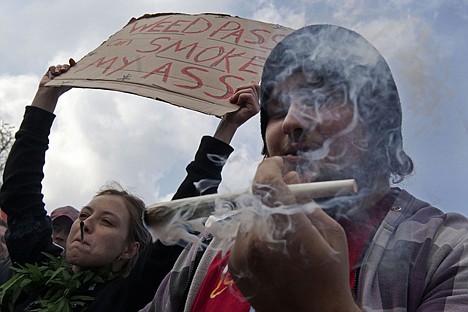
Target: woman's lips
(81, 242)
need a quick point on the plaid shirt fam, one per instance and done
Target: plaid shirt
(416, 261)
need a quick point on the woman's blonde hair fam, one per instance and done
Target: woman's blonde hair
(137, 231)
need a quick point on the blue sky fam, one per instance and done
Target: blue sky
(103, 135)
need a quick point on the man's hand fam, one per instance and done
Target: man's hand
(302, 265)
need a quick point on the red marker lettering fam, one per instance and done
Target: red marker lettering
(145, 27)
(162, 70)
(175, 24)
(247, 66)
(154, 43)
(256, 33)
(229, 88)
(225, 27)
(178, 47)
(226, 58)
(199, 25)
(100, 62)
(125, 64)
(187, 71)
(205, 55)
(236, 34)
(119, 42)
(277, 37)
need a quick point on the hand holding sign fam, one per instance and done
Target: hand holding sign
(192, 61)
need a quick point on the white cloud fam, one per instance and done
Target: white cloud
(102, 135)
(410, 50)
(16, 91)
(239, 170)
(285, 15)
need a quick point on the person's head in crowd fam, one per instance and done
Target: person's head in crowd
(62, 220)
(329, 102)
(109, 233)
(3, 247)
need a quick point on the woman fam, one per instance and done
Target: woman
(109, 264)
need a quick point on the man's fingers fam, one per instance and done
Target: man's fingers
(292, 177)
(328, 228)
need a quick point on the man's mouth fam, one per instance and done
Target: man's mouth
(298, 150)
(295, 155)
(300, 153)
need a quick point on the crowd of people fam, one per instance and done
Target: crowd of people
(329, 110)
(62, 220)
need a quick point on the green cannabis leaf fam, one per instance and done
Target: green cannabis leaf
(59, 287)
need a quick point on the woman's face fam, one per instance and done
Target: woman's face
(105, 241)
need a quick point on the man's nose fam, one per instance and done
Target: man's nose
(297, 121)
(60, 235)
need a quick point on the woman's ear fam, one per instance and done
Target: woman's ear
(130, 251)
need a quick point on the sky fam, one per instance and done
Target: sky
(145, 145)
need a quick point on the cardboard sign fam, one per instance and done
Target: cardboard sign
(192, 61)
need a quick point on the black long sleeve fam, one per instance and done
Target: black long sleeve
(204, 172)
(21, 198)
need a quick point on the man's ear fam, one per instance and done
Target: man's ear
(265, 151)
(130, 251)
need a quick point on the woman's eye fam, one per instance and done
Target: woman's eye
(106, 222)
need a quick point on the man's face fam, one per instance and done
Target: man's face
(61, 227)
(316, 128)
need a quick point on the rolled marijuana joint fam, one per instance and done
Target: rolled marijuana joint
(202, 206)
(82, 231)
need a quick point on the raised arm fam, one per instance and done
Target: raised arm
(204, 172)
(21, 198)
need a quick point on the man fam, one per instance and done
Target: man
(331, 110)
(62, 220)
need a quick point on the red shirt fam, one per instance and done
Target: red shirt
(218, 291)
(359, 232)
